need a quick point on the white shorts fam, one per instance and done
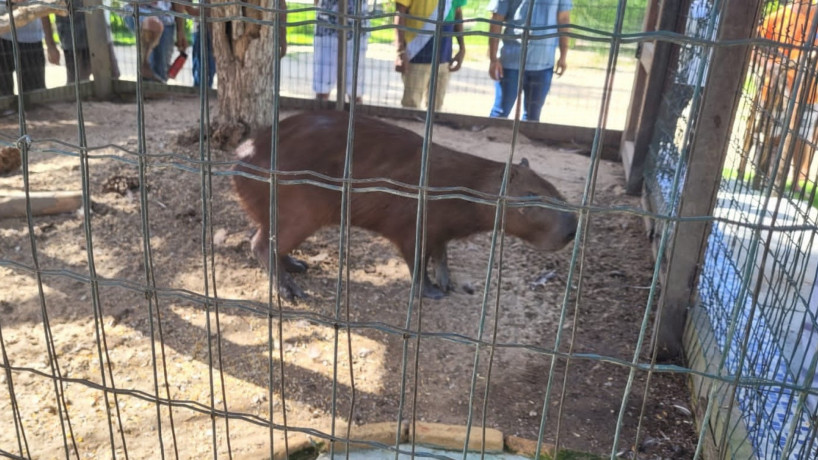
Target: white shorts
(325, 64)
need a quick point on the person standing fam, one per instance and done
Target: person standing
(415, 50)
(173, 26)
(202, 32)
(540, 64)
(156, 36)
(325, 45)
(82, 52)
(32, 59)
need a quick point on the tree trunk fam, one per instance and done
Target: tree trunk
(245, 57)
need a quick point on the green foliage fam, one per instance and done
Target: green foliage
(120, 32)
(808, 191)
(771, 6)
(601, 14)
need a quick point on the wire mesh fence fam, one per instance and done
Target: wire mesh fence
(470, 90)
(755, 287)
(139, 326)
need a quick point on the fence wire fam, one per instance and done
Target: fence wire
(754, 289)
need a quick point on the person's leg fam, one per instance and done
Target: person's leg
(804, 151)
(536, 84)
(70, 71)
(84, 58)
(32, 61)
(415, 81)
(211, 60)
(151, 29)
(163, 52)
(360, 86)
(505, 94)
(442, 83)
(6, 68)
(114, 65)
(195, 61)
(324, 65)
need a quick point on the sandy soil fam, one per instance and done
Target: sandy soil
(372, 360)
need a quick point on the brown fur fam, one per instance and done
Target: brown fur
(316, 141)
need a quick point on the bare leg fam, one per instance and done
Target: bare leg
(152, 29)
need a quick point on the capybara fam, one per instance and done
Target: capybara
(316, 142)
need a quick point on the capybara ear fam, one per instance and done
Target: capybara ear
(524, 162)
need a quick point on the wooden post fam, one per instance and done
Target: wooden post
(720, 99)
(648, 86)
(97, 29)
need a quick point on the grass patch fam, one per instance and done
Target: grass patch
(566, 454)
(808, 192)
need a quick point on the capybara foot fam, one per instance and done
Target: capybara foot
(430, 291)
(289, 289)
(293, 265)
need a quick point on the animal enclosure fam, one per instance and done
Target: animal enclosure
(141, 325)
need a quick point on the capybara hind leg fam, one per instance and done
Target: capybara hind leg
(286, 284)
(261, 247)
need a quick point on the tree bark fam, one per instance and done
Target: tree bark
(245, 58)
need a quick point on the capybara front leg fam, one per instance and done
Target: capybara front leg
(428, 288)
(441, 266)
(431, 291)
(293, 265)
(287, 286)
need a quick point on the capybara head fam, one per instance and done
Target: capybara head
(544, 227)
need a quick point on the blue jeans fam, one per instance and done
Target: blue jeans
(196, 62)
(161, 55)
(536, 84)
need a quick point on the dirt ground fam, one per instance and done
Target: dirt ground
(183, 363)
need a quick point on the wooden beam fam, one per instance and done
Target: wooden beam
(13, 203)
(703, 356)
(709, 146)
(101, 65)
(646, 96)
(652, 97)
(647, 54)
